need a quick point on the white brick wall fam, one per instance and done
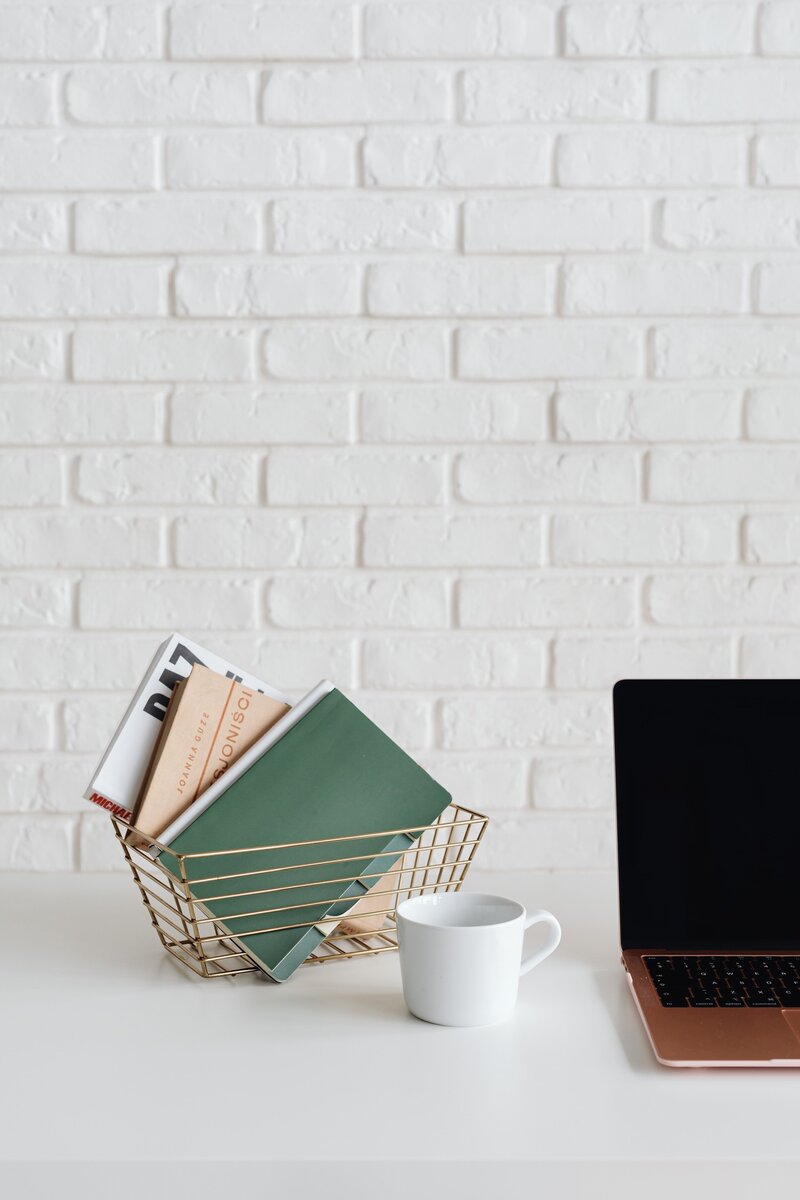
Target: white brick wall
(449, 348)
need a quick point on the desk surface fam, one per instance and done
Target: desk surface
(102, 1034)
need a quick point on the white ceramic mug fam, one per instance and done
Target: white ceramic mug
(460, 955)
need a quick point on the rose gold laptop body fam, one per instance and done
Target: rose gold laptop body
(712, 1037)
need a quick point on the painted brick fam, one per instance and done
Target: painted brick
(355, 477)
(260, 159)
(26, 724)
(717, 475)
(458, 30)
(772, 538)
(71, 661)
(80, 288)
(580, 663)
(730, 221)
(158, 602)
(28, 97)
(407, 721)
(722, 600)
(151, 95)
(751, 91)
(43, 843)
(645, 287)
(358, 224)
(30, 354)
(433, 540)
(79, 415)
(162, 354)
(647, 416)
(704, 351)
(777, 159)
(460, 661)
(290, 289)
(541, 476)
(495, 287)
(777, 285)
(554, 92)
(779, 28)
(52, 785)
(77, 161)
(457, 414)
(543, 351)
(554, 222)
(772, 414)
(485, 784)
(524, 722)
(30, 479)
(544, 843)
(773, 656)
(357, 353)
(359, 601)
(632, 538)
(658, 29)
(79, 539)
(371, 92)
(167, 477)
(651, 158)
(498, 157)
(30, 603)
(69, 31)
(89, 723)
(34, 226)
(587, 602)
(266, 540)
(166, 224)
(250, 417)
(297, 662)
(255, 31)
(574, 782)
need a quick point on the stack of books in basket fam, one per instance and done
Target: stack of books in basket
(210, 761)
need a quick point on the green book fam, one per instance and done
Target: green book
(333, 774)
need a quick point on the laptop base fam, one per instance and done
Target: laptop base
(711, 1037)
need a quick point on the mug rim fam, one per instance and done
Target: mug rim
(457, 899)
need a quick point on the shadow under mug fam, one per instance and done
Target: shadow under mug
(461, 955)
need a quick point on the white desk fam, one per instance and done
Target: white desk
(112, 1054)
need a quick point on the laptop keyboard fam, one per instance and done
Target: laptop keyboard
(725, 981)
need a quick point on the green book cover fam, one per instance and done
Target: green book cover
(333, 775)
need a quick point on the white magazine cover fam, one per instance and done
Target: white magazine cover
(116, 782)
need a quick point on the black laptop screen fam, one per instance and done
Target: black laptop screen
(708, 814)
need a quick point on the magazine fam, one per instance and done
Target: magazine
(117, 781)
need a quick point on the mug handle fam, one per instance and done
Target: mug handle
(541, 915)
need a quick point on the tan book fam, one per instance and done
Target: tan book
(209, 722)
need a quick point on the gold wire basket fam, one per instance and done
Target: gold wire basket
(437, 861)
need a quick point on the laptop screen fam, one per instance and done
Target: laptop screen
(708, 814)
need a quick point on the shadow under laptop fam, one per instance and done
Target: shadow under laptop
(615, 995)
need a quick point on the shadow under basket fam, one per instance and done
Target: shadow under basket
(437, 861)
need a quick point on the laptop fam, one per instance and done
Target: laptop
(708, 833)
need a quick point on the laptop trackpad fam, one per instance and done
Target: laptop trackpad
(792, 1017)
